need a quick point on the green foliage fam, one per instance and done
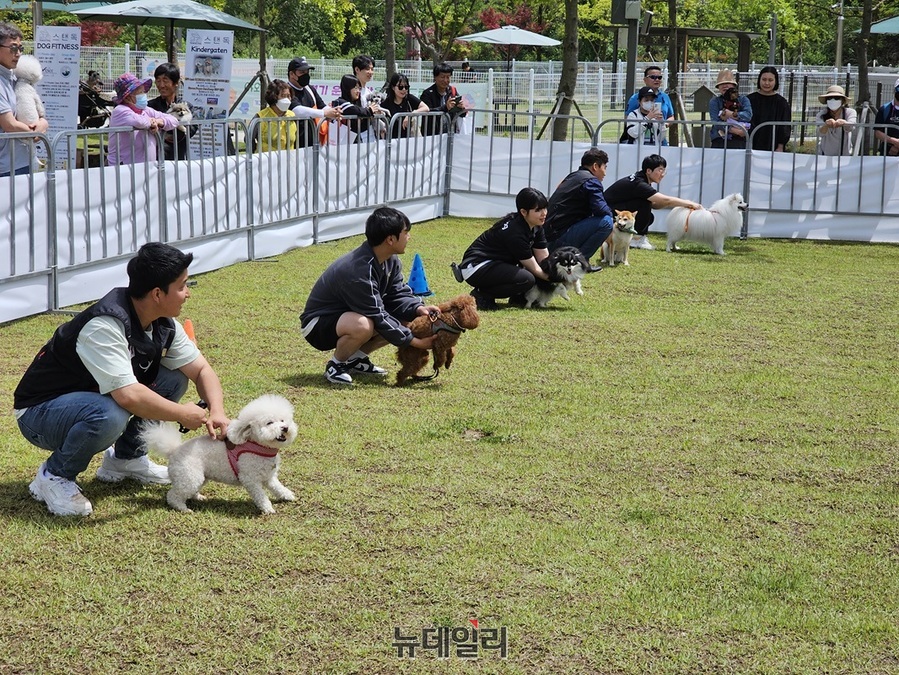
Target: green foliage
(690, 469)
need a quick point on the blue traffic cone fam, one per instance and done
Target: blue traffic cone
(418, 282)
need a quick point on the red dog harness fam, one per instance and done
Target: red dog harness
(235, 451)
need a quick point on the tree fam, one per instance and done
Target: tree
(437, 23)
(568, 78)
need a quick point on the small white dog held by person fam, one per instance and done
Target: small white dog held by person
(247, 456)
(29, 106)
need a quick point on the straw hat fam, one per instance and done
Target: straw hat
(725, 77)
(834, 91)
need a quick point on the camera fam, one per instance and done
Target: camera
(457, 99)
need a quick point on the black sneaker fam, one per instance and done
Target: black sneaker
(484, 303)
(365, 366)
(518, 301)
(337, 373)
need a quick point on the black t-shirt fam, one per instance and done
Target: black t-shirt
(632, 193)
(509, 239)
(409, 104)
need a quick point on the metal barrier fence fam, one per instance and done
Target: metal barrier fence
(78, 220)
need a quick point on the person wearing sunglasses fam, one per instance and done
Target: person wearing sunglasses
(399, 100)
(15, 156)
(664, 110)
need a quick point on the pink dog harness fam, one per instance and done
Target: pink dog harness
(235, 451)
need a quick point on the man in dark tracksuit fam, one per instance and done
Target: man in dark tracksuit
(361, 302)
(578, 214)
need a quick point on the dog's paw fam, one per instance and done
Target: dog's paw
(287, 496)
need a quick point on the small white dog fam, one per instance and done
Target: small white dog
(181, 112)
(709, 226)
(29, 106)
(248, 456)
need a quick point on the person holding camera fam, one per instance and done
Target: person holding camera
(644, 124)
(442, 97)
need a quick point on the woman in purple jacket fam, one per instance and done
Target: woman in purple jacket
(132, 111)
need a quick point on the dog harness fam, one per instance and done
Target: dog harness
(687, 221)
(235, 451)
(438, 324)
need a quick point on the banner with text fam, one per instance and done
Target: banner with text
(207, 88)
(58, 48)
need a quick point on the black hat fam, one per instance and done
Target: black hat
(299, 63)
(646, 91)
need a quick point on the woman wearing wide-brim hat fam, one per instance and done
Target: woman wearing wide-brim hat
(731, 113)
(835, 123)
(132, 111)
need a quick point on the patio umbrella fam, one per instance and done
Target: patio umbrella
(168, 13)
(508, 36)
(886, 27)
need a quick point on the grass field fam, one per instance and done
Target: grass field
(691, 469)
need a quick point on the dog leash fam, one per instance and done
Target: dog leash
(202, 404)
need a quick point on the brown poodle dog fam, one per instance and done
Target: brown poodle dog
(456, 316)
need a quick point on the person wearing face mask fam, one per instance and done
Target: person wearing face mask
(731, 113)
(276, 135)
(835, 123)
(306, 103)
(664, 110)
(645, 127)
(888, 114)
(132, 110)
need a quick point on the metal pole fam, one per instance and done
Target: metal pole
(839, 56)
(772, 46)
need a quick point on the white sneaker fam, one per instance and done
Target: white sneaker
(62, 496)
(642, 242)
(140, 469)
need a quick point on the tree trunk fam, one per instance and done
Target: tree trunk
(390, 37)
(861, 54)
(568, 78)
(673, 69)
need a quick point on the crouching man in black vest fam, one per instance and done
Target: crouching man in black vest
(120, 361)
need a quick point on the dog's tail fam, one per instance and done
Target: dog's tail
(160, 437)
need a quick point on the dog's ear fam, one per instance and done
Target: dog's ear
(468, 313)
(239, 431)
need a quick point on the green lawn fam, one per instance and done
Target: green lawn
(690, 469)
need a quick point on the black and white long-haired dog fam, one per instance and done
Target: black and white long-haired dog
(565, 266)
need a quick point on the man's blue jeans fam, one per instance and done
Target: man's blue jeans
(587, 235)
(77, 426)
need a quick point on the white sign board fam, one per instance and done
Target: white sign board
(207, 87)
(58, 48)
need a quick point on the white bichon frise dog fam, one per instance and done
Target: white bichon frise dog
(248, 456)
(29, 106)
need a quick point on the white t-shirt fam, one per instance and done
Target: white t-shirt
(103, 349)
